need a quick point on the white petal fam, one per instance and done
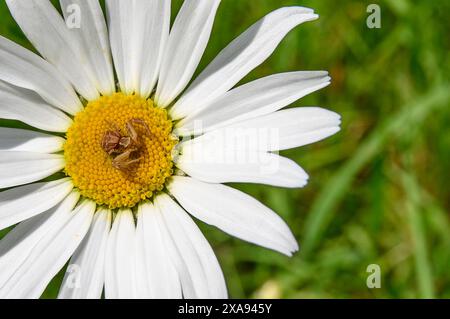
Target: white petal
(293, 127)
(25, 69)
(50, 252)
(46, 30)
(187, 42)
(19, 243)
(253, 99)
(92, 37)
(157, 277)
(242, 167)
(234, 212)
(24, 105)
(12, 139)
(197, 266)
(241, 56)
(20, 203)
(19, 168)
(85, 273)
(120, 273)
(139, 30)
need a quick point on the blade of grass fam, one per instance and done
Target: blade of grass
(418, 234)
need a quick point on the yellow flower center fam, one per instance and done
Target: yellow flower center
(119, 150)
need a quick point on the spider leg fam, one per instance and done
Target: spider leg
(132, 132)
(141, 122)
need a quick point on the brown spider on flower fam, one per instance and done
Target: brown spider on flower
(124, 149)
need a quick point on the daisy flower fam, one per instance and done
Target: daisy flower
(125, 146)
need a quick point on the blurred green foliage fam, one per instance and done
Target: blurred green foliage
(378, 191)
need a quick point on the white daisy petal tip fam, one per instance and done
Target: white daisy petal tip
(235, 213)
(293, 248)
(248, 166)
(334, 120)
(291, 243)
(333, 116)
(303, 180)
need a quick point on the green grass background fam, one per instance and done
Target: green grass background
(378, 190)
